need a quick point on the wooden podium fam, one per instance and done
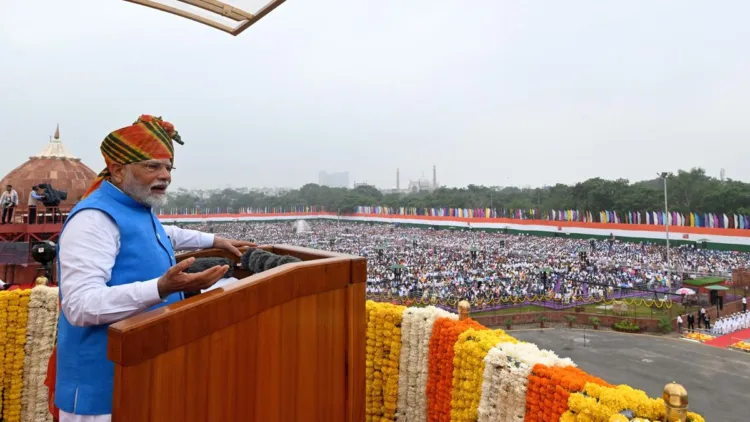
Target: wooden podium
(285, 345)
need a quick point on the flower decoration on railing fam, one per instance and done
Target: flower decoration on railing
(445, 333)
(416, 332)
(15, 306)
(382, 360)
(504, 388)
(549, 388)
(422, 364)
(470, 350)
(4, 303)
(602, 403)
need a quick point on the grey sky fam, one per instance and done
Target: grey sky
(492, 92)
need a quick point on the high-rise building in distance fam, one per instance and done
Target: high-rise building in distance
(334, 180)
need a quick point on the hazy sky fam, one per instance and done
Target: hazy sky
(493, 92)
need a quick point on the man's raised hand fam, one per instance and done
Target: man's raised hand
(231, 245)
(177, 280)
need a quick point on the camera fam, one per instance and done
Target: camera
(44, 253)
(52, 196)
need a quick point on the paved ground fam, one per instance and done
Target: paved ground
(717, 380)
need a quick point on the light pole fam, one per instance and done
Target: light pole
(665, 176)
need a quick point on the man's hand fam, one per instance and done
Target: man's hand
(176, 280)
(231, 245)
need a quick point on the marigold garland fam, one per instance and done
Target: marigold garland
(382, 360)
(4, 296)
(698, 337)
(470, 350)
(549, 388)
(40, 333)
(421, 364)
(416, 330)
(507, 367)
(597, 403)
(15, 340)
(741, 345)
(445, 333)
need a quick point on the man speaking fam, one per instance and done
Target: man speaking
(117, 260)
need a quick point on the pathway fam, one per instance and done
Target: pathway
(729, 339)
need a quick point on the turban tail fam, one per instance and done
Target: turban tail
(149, 138)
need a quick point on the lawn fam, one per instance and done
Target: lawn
(640, 311)
(704, 281)
(519, 310)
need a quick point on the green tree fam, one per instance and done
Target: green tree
(689, 190)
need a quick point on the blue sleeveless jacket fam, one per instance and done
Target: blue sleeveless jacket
(85, 376)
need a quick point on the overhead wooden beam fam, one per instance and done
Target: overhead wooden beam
(245, 19)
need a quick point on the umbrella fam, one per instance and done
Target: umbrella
(716, 287)
(685, 291)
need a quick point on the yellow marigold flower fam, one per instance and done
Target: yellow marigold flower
(4, 329)
(15, 307)
(593, 390)
(694, 417)
(382, 359)
(568, 417)
(470, 350)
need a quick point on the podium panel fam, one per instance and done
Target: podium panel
(287, 344)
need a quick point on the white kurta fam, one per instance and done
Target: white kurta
(88, 248)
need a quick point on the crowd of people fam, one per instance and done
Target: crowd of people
(731, 323)
(431, 264)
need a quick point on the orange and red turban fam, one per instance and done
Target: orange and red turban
(149, 138)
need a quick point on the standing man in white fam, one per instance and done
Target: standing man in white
(117, 260)
(9, 202)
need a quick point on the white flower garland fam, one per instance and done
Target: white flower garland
(506, 371)
(407, 351)
(41, 332)
(416, 331)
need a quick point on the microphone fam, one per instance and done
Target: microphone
(253, 260)
(258, 260)
(202, 264)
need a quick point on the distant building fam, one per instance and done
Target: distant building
(334, 180)
(54, 165)
(421, 185)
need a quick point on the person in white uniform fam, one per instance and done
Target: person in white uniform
(116, 260)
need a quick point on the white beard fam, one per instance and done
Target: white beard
(142, 193)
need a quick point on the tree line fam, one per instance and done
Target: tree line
(688, 191)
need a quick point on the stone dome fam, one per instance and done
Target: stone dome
(54, 165)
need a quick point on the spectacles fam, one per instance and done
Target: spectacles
(154, 167)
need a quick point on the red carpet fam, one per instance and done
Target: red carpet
(729, 339)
